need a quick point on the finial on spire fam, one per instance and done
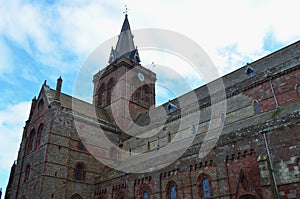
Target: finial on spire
(126, 10)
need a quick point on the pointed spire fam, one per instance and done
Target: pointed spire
(126, 25)
(112, 55)
(125, 45)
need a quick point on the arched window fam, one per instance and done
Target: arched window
(194, 129)
(169, 137)
(173, 193)
(137, 94)
(76, 196)
(142, 97)
(110, 87)
(102, 95)
(256, 106)
(79, 171)
(81, 146)
(40, 105)
(144, 192)
(27, 173)
(223, 118)
(298, 90)
(119, 195)
(247, 196)
(32, 141)
(39, 135)
(147, 98)
(171, 190)
(206, 188)
(145, 195)
(148, 145)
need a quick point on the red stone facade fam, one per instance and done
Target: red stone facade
(55, 161)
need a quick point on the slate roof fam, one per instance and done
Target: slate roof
(81, 107)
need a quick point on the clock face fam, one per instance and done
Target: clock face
(141, 77)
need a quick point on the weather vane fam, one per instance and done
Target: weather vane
(126, 10)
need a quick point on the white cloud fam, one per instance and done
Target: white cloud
(5, 61)
(28, 75)
(218, 24)
(12, 121)
(24, 24)
(49, 32)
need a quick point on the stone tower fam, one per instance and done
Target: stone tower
(124, 88)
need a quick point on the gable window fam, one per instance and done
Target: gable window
(171, 107)
(249, 71)
(79, 171)
(206, 188)
(27, 173)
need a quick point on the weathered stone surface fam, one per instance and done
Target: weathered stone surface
(235, 161)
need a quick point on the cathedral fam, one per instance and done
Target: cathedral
(122, 145)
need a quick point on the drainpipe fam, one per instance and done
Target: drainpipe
(126, 183)
(276, 193)
(125, 93)
(273, 92)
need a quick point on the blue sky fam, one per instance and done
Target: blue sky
(42, 41)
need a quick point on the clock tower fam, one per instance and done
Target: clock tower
(124, 88)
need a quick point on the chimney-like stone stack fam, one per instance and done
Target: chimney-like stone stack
(58, 89)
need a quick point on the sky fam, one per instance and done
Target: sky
(42, 40)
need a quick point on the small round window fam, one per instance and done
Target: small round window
(40, 104)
